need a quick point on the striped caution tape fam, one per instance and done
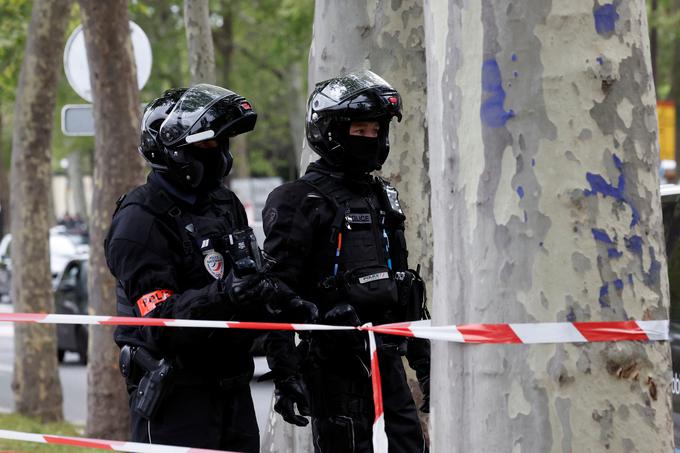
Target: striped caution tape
(517, 333)
(379, 433)
(520, 333)
(534, 333)
(114, 445)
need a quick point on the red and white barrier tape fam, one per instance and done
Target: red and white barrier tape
(526, 333)
(379, 434)
(115, 445)
(534, 333)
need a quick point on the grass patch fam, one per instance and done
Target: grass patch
(14, 422)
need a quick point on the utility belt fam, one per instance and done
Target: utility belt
(151, 379)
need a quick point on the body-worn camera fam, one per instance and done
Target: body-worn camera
(241, 247)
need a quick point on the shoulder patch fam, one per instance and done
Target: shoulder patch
(269, 217)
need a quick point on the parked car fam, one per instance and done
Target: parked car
(70, 298)
(64, 245)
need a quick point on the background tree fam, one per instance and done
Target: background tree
(117, 169)
(386, 37)
(200, 41)
(36, 380)
(14, 19)
(545, 202)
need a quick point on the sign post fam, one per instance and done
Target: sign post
(78, 120)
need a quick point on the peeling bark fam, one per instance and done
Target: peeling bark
(117, 169)
(545, 201)
(200, 42)
(37, 390)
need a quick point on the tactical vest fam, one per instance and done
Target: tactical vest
(199, 234)
(366, 247)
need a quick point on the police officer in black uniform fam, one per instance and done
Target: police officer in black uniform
(171, 248)
(336, 237)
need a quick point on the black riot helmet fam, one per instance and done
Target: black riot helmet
(336, 103)
(185, 133)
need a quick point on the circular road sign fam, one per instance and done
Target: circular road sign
(78, 71)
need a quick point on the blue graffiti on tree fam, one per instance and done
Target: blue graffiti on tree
(492, 111)
(605, 18)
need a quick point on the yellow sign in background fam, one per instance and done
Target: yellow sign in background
(666, 114)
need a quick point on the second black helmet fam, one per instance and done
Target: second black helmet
(336, 103)
(185, 133)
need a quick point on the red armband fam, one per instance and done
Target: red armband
(149, 301)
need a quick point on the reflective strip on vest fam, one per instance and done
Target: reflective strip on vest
(149, 301)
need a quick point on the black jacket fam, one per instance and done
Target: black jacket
(154, 245)
(301, 242)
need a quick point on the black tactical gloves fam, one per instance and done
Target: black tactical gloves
(418, 356)
(422, 369)
(250, 288)
(300, 310)
(344, 341)
(292, 391)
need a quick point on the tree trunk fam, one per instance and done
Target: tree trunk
(75, 179)
(224, 42)
(545, 202)
(4, 187)
(675, 78)
(296, 120)
(199, 39)
(386, 37)
(654, 39)
(37, 390)
(117, 169)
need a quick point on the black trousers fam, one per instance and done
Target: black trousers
(342, 406)
(203, 417)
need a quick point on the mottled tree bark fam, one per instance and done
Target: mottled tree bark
(387, 38)
(117, 169)
(545, 203)
(199, 39)
(294, 81)
(37, 390)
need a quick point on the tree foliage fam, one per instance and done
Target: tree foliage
(269, 36)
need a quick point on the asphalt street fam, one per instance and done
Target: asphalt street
(74, 381)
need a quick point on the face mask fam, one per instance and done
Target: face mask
(215, 164)
(362, 154)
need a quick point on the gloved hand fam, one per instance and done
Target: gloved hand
(422, 369)
(300, 310)
(291, 391)
(342, 315)
(343, 341)
(249, 289)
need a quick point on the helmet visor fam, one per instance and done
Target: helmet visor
(347, 86)
(192, 107)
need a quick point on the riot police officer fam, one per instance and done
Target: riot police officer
(336, 237)
(168, 247)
